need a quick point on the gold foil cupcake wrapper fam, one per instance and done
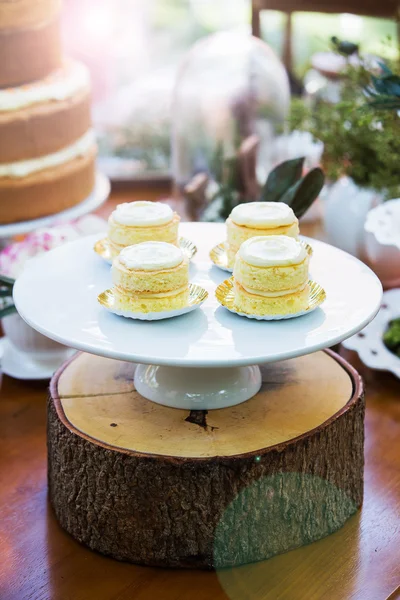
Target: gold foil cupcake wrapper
(226, 297)
(103, 249)
(197, 295)
(219, 255)
(188, 247)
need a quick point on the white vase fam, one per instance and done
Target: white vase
(32, 343)
(346, 206)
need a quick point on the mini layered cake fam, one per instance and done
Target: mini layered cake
(136, 222)
(47, 146)
(258, 219)
(151, 277)
(271, 276)
(30, 44)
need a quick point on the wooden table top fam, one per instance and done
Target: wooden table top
(38, 561)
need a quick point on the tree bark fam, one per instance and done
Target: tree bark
(203, 510)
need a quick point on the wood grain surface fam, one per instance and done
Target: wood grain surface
(297, 396)
(41, 562)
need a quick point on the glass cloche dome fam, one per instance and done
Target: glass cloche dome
(231, 96)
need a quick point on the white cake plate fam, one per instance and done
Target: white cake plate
(95, 200)
(203, 360)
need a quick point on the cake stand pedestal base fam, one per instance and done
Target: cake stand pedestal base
(169, 487)
(197, 389)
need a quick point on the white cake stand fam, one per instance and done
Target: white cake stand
(203, 360)
(99, 195)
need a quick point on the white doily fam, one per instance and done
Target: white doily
(384, 223)
(369, 343)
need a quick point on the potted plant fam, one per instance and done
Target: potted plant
(361, 150)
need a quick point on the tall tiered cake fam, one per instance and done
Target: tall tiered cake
(47, 146)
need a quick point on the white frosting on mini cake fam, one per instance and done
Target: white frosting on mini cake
(266, 215)
(143, 214)
(151, 256)
(272, 251)
(62, 84)
(23, 168)
(274, 294)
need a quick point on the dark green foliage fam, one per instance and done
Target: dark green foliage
(358, 142)
(384, 91)
(343, 47)
(286, 184)
(391, 337)
(301, 195)
(283, 177)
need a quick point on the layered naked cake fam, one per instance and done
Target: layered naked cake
(29, 40)
(47, 146)
(254, 219)
(151, 277)
(271, 276)
(136, 222)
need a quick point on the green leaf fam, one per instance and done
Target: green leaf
(388, 85)
(283, 177)
(301, 196)
(347, 48)
(384, 91)
(385, 104)
(385, 68)
(343, 46)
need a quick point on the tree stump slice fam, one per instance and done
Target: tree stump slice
(165, 487)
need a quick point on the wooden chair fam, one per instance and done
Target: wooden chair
(369, 8)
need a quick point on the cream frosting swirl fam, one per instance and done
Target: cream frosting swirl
(58, 86)
(272, 251)
(143, 214)
(267, 215)
(151, 256)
